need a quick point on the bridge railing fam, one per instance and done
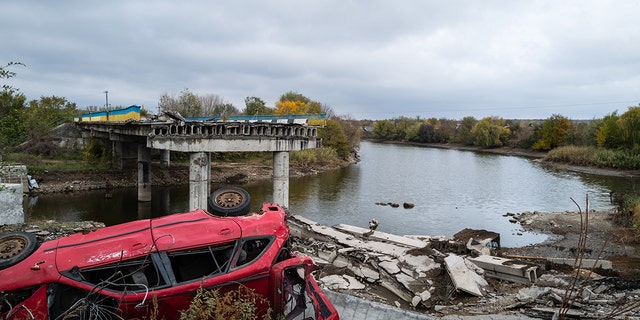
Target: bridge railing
(119, 115)
(205, 129)
(309, 119)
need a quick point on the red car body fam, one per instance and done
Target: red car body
(130, 270)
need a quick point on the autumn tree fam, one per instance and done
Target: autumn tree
(12, 128)
(43, 115)
(12, 104)
(608, 132)
(463, 131)
(555, 132)
(351, 130)
(629, 124)
(384, 129)
(209, 103)
(187, 104)
(491, 132)
(290, 107)
(255, 106)
(333, 137)
(296, 103)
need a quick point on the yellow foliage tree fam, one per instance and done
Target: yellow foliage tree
(291, 107)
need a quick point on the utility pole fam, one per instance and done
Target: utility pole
(106, 100)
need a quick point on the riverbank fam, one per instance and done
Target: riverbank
(508, 151)
(175, 174)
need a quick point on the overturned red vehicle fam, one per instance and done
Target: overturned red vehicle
(156, 266)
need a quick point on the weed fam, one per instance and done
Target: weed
(240, 304)
(576, 286)
(321, 156)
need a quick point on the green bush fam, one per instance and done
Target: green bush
(96, 151)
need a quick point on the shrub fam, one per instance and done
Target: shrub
(240, 304)
(96, 151)
(320, 156)
(628, 210)
(581, 156)
(597, 157)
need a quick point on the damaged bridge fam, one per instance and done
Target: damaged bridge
(171, 132)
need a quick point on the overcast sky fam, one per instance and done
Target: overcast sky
(368, 59)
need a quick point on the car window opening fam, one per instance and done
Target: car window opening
(74, 304)
(12, 298)
(196, 264)
(133, 275)
(252, 249)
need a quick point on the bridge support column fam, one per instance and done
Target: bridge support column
(165, 158)
(199, 178)
(144, 173)
(117, 154)
(281, 178)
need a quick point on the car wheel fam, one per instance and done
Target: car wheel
(15, 247)
(229, 201)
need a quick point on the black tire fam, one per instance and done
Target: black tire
(229, 202)
(15, 247)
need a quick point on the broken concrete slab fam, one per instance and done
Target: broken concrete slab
(584, 263)
(390, 267)
(366, 273)
(348, 239)
(334, 282)
(463, 278)
(381, 236)
(412, 284)
(507, 269)
(341, 282)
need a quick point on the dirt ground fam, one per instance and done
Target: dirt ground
(604, 239)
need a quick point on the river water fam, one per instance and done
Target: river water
(451, 190)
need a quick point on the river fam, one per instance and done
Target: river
(451, 190)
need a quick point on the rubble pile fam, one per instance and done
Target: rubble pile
(419, 274)
(46, 230)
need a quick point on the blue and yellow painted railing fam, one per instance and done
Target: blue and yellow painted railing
(119, 115)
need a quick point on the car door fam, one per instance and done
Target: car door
(295, 294)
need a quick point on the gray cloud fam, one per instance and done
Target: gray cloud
(370, 59)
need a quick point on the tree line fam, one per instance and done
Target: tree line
(617, 133)
(613, 131)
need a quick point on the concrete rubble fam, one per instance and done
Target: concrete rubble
(438, 276)
(409, 272)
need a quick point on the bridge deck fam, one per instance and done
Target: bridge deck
(209, 136)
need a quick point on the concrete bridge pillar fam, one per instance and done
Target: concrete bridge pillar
(117, 154)
(281, 178)
(165, 158)
(144, 173)
(199, 178)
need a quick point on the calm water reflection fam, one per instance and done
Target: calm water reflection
(451, 190)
